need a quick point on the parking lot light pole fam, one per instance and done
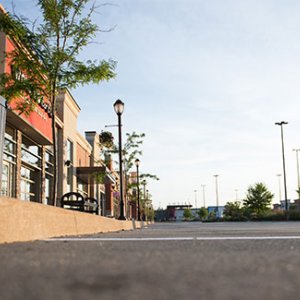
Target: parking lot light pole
(137, 163)
(119, 108)
(298, 175)
(283, 161)
(203, 191)
(217, 191)
(217, 195)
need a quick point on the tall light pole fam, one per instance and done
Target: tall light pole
(298, 176)
(217, 191)
(236, 195)
(283, 161)
(279, 186)
(137, 163)
(203, 194)
(143, 183)
(119, 108)
(195, 191)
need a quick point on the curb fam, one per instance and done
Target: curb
(22, 221)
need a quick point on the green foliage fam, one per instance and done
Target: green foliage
(106, 139)
(212, 217)
(47, 56)
(258, 198)
(233, 211)
(45, 59)
(99, 177)
(187, 214)
(131, 148)
(202, 213)
(26, 80)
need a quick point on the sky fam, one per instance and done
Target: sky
(205, 80)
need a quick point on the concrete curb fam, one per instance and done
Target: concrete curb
(28, 221)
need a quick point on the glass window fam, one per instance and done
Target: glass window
(30, 184)
(49, 168)
(82, 187)
(9, 144)
(5, 181)
(48, 189)
(9, 160)
(69, 151)
(49, 162)
(31, 152)
(26, 184)
(69, 156)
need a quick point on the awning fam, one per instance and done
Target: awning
(89, 174)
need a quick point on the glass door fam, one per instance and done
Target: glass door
(6, 180)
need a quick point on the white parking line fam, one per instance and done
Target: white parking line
(222, 238)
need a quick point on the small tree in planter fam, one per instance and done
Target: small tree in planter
(202, 213)
(187, 214)
(258, 199)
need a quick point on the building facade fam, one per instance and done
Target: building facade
(28, 152)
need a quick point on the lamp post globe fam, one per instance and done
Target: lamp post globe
(119, 107)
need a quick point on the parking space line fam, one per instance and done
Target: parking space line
(141, 239)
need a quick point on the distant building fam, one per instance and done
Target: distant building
(175, 212)
(219, 210)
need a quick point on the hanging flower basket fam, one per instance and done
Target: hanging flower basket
(106, 139)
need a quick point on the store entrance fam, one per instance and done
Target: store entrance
(6, 188)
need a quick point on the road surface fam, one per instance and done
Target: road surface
(164, 261)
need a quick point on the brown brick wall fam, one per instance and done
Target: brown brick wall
(83, 157)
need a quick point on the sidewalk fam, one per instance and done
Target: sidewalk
(27, 221)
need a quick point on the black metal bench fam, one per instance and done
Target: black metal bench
(76, 201)
(91, 205)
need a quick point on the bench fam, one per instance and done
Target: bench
(76, 201)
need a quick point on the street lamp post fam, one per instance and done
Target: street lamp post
(137, 163)
(217, 194)
(236, 195)
(279, 186)
(283, 161)
(298, 176)
(195, 191)
(144, 183)
(119, 108)
(217, 191)
(203, 191)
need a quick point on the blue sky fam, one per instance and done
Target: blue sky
(205, 81)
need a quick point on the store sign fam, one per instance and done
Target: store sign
(40, 119)
(46, 106)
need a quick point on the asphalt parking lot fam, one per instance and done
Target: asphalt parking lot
(164, 261)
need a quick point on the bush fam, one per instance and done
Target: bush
(187, 215)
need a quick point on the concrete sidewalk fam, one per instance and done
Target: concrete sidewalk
(27, 221)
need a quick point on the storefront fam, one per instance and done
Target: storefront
(27, 157)
(28, 169)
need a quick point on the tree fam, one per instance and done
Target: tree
(234, 211)
(202, 213)
(258, 198)
(131, 150)
(187, 214)
(48, 55)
